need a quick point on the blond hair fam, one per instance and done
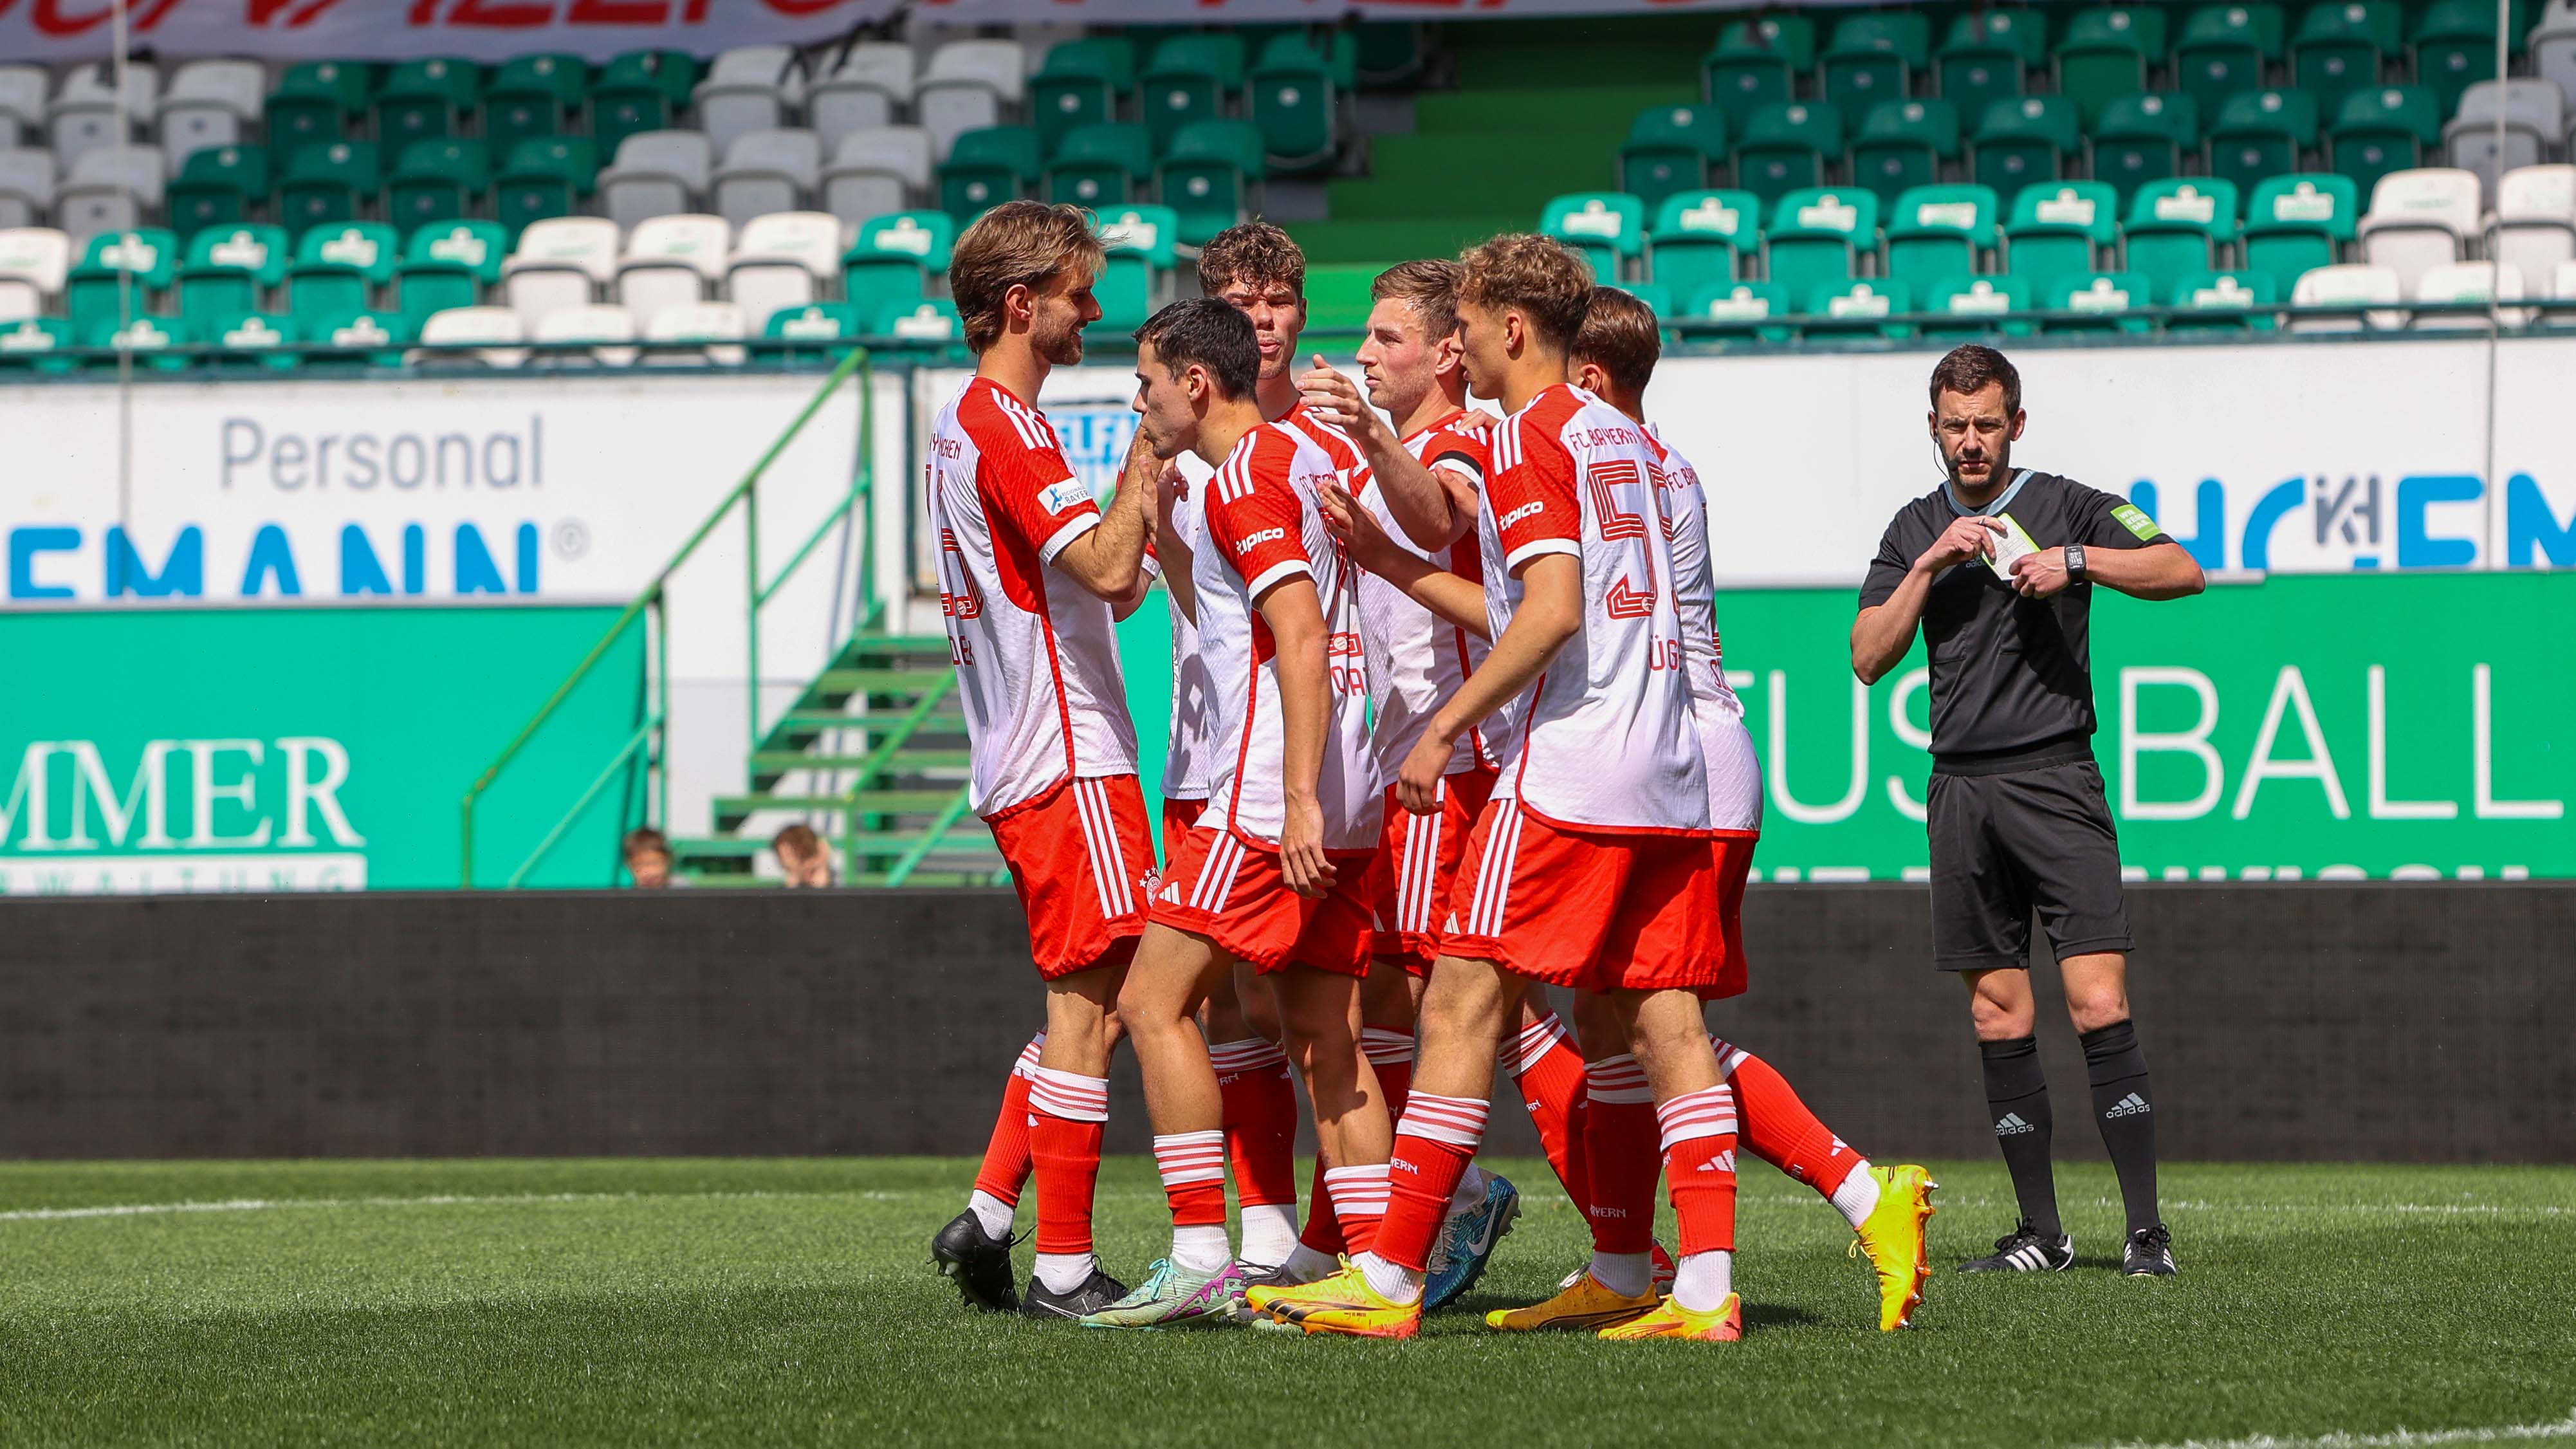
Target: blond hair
(1544, 281)
(1016, 244)
(1430, 288)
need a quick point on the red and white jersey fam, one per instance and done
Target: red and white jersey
(1263, 525)
(1725, 745)
(1417, 659)
(1189, 760)
(1605, 739)
(1036, 653)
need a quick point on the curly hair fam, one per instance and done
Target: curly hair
(1258, 252)
(1544, 281)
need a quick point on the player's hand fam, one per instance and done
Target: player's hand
(1335, 398)
(1964, 539)
(2038, 575)
(1417, 781)
(1479, 418)
(1302, 862)
(1358, 529)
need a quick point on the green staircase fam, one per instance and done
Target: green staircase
(1540, 109)
(873, 756)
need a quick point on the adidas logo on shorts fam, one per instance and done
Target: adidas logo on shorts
(2012, 1125)
(2130, 1106)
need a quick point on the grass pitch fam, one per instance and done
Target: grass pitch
(737, 1302)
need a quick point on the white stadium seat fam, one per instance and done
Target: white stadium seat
(496, 325)
(867, 88)
(2419, 220)
(2535, 117)
(210, 103)
(750, 88)
(783, 260)
(604, 323)
(672, 261)
(26, 186)
(2553, 50)
(656, 173)
(2536, 219)
(696, 332)
(109, 190)
(876, 172)
(82, 116)
(969, 85)
(23, 89)
(2469, 282)
(562, 261)
(767, 171)
(33, 262)
(2348, 286)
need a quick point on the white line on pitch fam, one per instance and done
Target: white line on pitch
(2394, 1439)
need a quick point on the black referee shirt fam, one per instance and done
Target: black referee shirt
(2012, 678)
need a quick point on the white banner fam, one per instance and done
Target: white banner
(488, 30)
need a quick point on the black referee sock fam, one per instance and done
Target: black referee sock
(2017, 1103)
(2125, 1109)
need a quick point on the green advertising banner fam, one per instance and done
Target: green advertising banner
(2298, 728)
(304, 749)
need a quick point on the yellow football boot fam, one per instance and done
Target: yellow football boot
(1343, 1303)
(1586, 1303)
(1722, 1324)
(1892, 1236)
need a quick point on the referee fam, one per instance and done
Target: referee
(1998, 565)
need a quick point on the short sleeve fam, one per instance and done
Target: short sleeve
(1031, 490)
(1467, 453)
(1887, 571)
(1259, 528)
(1532, 493)
(2104, 520)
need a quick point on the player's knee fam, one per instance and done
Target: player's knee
(2094, 1010)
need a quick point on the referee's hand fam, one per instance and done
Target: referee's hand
(1964, 539)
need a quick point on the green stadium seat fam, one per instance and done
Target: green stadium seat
(317, 102)
(2099, 302)
(341, 268)
(1207, 176)
(1079, 84)
(1654, 294)
(2175, 228)
(2106, 53)
(810, 331)
(987, 167)
(1672, 149)
(216, 187)
(2296, 224)
(94, 295)
(2224, 49)
(1187, 82)
(1751, 309)
(2224, 302)
(924, 320)
(1817, 237)
(894, 258)
(2144, 138)
(1987, 56)
(326, 185)
(2384, 129)
(1984, 307)
(424, 100)
(531, 97)
(449, 264)
(230, 269)
(2022, 141)
(2454, 48)
(1136, 275)
(1292, 97)
(543, 178)
(1388, 54)
(1902, 144)
(376, 338)
(642, 90)
(2342, 46)
(2261, 133)
(36, 344)
(1608, 227)
(1858, 307)
(1101, 165)
(2059, 229)
(1936, 232)
(251, 341)
(1699, 237)
(1872, 60)
(1785, 148)
(1755, 64)
(157, 342)
(435, 180)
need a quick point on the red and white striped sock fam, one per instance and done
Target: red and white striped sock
(1068, 1113)
(1620, 1167)
(1359, 1202)
(1006, 1154)
(1258, 1114)
(1390, 1056)
(1699, 1166)
(1323, 1232)
(1432, 1147)
(1193, 1169)
(1550, 1072)
(1778, 1128)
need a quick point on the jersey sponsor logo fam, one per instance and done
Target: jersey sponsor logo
(1068, 494)
(1526, 510)
(1254, 540)
(2135, 519)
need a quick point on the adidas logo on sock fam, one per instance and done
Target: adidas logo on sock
(2130, 1106)
(2012, 1125)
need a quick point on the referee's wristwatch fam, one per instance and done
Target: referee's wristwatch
(2075, 563)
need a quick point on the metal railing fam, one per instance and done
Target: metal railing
(653, 606)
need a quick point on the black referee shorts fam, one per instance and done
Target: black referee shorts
(2003, 844)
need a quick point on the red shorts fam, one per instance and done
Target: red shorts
(1083, 861)
(1229, 889)
(1593, 911)
(1417, 862)
(1178, 817)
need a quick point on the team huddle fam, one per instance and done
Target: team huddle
(1449, 727)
